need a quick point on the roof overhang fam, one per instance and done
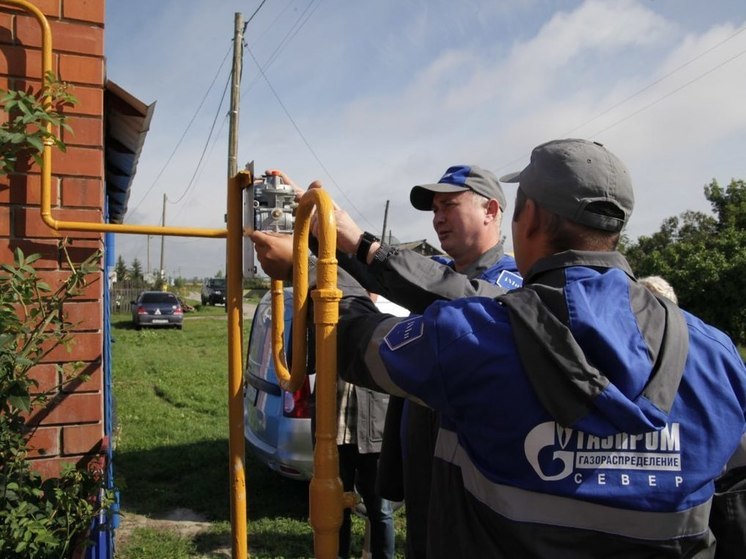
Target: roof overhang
(127, 123)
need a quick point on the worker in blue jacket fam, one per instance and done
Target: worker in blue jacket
(467, 205)
(581, 415)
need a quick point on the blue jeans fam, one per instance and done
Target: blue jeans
(359, 471)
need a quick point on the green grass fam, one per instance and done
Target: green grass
(171, 437)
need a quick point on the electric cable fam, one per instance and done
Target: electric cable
(670, 93)
(183, 135)
(204, 149)
(306, 142)
(642, 90)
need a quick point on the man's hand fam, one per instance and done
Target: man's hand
(299, 192)
(348, 232)
(275, 253)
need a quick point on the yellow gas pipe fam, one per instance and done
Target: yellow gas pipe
(326, 495)
(234, 300)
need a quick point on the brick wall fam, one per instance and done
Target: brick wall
(71, 427)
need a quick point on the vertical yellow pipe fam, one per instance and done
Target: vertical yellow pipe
(326, 493)
(234, 309)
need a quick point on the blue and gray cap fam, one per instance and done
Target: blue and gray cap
(568, 177)
(459, 178)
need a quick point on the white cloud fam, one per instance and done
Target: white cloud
(389, 95)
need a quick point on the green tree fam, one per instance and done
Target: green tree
(703, 257)
(121, 269)
(136, 271)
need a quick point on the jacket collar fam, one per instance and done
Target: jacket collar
(569, 258)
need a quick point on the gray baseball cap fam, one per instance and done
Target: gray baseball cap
(566, 176)
(459, 178)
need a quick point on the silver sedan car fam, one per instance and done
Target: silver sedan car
(277, 424)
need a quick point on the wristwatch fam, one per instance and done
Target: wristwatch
(363, 248)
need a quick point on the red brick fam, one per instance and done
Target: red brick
(46, 248)
(6, 35)
(85, 132)
(47, 377)
(4, 220)
(91, 291)
(20, 62)
(5, 193)
(50, 8)
(44, 442)
(66, 36)
(81, 249)
(90, 101)
(28, 223)
(86, 10)
(79, 162)
(87, 346)
(82, 439)
(82, 69)
(84, 315)
(20, 189)
(49, 467)
(79, 192)
(70, 408)
(93, 381)
(52, 467)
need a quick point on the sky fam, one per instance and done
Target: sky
(374, 97)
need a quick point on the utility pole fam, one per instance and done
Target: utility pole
(385, 219)
(163, 223)
(235, 96)
(148, 265)
(234, 310)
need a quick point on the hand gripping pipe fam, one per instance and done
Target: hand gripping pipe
(327, 499)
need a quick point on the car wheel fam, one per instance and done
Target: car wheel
(179, 326)
(138, 327)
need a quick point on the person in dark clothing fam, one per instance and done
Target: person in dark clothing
(580, 415)
(467, 204)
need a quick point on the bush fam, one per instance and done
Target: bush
(38, 518)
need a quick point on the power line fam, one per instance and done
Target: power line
(207, 142)
(656, 82)
(305, 140)
(640, 91)
(669, 94)
(294, 29)
(183, 135)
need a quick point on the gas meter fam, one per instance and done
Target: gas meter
(269, 205)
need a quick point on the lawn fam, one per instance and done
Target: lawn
(171, 437)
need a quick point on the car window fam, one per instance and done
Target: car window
(218, 283)
(166, 298)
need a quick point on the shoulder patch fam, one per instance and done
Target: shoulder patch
(509, 280)
(404, 332)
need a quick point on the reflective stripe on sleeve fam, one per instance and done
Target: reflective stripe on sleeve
(521, 505)
(373, 360)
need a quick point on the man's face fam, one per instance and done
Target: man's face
(458, 220)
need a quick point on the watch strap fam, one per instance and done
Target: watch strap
(366, 240)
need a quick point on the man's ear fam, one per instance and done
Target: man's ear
(532, 218)
(492, 211)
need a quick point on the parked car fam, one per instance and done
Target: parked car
(213, 291)
(277, 424)
(157, 308)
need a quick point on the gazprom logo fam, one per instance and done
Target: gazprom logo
(554, 452)
(543, 435)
